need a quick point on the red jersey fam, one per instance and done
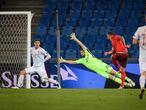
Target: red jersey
(118, 44)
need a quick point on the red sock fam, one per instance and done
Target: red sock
(123, 78)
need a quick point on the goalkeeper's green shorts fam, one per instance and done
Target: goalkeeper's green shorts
(103, 69)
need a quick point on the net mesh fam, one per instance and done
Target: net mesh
(13, 44)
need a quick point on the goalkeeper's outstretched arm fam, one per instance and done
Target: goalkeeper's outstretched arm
(73, 37)
(61, 60)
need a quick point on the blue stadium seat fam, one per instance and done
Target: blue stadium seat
(118, 30)
(92, 31)
(52, 31)
(54, 53)
(75, 14)
(66, 30)
(84, 22)
(80, 31)
(51, 5)
(98, 14)
(51, 39)
(111, 13)
(109, 22)
(77, 4)
(86, 13)
(70, 54)
(41, 30)
(124, 13)
(71, 22)
(122, 22)
(89, 5)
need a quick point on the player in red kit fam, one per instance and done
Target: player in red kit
(120, 54)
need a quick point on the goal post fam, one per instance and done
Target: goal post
(15, 43)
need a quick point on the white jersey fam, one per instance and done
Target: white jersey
(38, 56)
(140, 34)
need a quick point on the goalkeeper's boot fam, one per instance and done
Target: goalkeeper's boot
(141, 94)
(128, 84)
(132, 83)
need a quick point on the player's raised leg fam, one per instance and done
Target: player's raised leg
(44, 77)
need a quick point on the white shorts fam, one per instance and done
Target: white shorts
(142, 65)
(40, 70)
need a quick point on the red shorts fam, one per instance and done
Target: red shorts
(122, 58)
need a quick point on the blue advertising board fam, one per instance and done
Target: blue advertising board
(78, 76)
(72, 76)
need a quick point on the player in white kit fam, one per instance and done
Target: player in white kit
(140, 37)
(39, 56)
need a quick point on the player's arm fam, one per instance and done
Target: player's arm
(136, 37)
(123, 40)
(61, 60)
(73, 37)
(135, 41)
(46, 54)
(109, 52)
(47, 57)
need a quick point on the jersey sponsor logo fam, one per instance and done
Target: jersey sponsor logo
(67, 74)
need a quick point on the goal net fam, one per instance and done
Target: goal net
(15, 40)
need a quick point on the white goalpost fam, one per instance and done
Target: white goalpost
(15, 43)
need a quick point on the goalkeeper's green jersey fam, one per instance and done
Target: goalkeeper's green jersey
(93, 63)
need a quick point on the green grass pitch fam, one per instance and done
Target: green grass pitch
(71, 99)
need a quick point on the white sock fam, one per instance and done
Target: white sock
(20, 81)
(142, 81)
(52, 81)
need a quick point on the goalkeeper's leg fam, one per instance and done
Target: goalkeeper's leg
(112, 77)
(105, 71)
(119, 76)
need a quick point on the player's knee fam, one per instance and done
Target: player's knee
(144, 73)
(22, 72)
(113, 72)
(122, 69)
(111, 76)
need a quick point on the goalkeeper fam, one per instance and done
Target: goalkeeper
(96, 65)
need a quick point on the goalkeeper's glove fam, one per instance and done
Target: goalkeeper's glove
(72, 36)
(61, 60)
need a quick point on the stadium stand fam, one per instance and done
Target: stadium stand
(91, 21)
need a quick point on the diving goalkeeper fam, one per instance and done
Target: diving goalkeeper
(96, 65)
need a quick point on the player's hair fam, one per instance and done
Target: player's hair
(110, 33)
(81, 48)
(37, 40)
